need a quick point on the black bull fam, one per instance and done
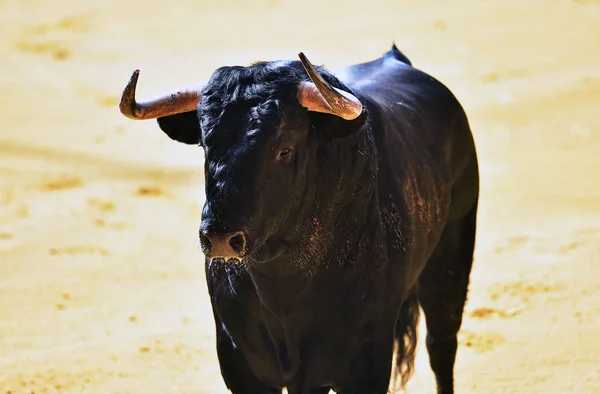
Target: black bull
(329, 218)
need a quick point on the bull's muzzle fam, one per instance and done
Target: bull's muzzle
(225, 246)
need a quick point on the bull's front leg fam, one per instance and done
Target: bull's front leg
(235, 371)
(371, 371)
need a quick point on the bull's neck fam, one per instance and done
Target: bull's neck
(347, 198)
(339, 220)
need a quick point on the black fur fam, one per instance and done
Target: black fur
(350, 225)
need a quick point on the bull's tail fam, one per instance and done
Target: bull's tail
(406, 340)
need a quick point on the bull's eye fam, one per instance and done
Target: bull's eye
(284, 153)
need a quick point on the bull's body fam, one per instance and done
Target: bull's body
(334, 208)
(413, 188)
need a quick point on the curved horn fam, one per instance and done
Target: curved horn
(320, 96)
(171, 103)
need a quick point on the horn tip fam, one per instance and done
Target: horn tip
(134, 75)
(127, 103)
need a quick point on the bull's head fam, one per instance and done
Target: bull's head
(261, 128)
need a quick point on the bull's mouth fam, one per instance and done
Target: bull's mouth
(228, 260)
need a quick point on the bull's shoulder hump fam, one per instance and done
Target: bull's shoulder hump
(380, 68)
(392, 61)
(389, 80)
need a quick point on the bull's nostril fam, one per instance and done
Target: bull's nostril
(238, 242)
(205, 243)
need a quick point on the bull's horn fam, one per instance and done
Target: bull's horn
(320, 96)
(170, 103)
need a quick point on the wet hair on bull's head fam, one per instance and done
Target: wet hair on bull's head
(252, 131)
(261, 128)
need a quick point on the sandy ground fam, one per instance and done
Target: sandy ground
(101, 277)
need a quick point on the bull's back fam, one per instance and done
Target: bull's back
(427, 160)
(409, 108)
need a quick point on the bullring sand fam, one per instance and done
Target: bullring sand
(101, 278)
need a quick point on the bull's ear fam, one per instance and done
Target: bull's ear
(183, 127)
